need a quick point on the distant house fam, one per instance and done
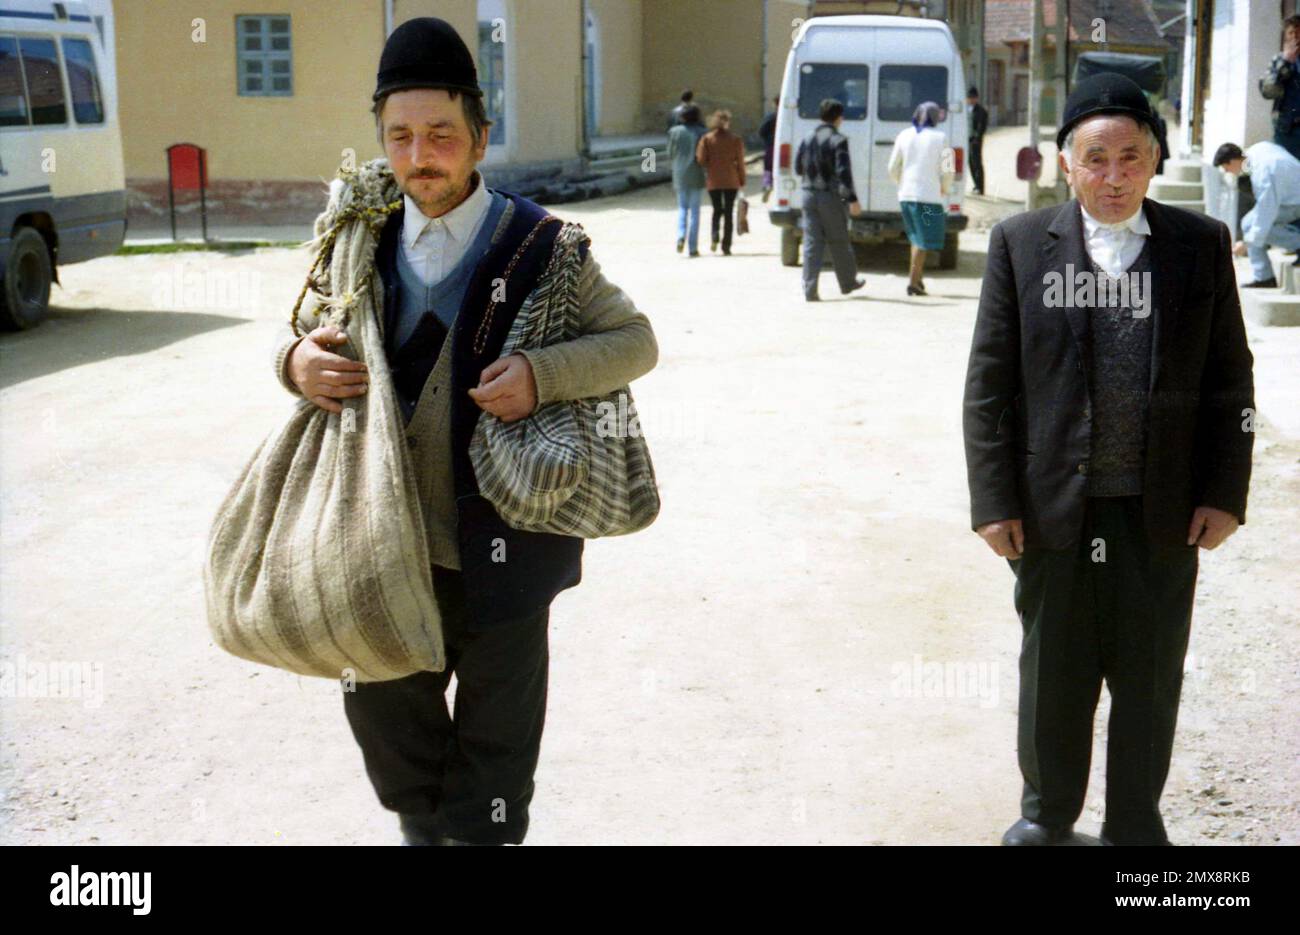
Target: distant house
(1094, 26)
(277, 93)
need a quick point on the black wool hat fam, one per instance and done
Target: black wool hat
(426, 52)
(1106, 93)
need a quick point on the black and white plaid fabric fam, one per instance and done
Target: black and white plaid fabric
(575, 467)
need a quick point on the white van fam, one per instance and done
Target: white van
(62, 185)
(880, 68)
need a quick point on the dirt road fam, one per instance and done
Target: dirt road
(808, 646)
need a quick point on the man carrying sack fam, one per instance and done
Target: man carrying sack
(454, 263)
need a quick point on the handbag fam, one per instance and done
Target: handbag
(574, 467)
(317, 559)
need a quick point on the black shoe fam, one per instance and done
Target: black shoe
(694, 253)
(857, 284)
(714, 245)
(1297, 260)
(681, 243)
(726, 251)
(915, 290)
(1270, 283)
(812, 298)
(419, 830)
(1031, 833)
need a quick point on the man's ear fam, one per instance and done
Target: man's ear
(1062, 166)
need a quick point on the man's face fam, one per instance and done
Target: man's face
(1291, 36)
(1235, 165)
(1111, 166)
(429, 147)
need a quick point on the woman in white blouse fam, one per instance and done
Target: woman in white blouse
(919, 165)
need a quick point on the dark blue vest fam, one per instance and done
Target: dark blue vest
(536, 566)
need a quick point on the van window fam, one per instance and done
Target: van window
(13, 98)
(83, 79)
(44, 81)
(846, 83)
(905, 87)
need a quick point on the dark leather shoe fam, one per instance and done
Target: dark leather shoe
(858, 284)
(1270, 283)
(418, 830)
(812, 298)
(1031, 833)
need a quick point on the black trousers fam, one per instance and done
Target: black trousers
(1124, 620)
(724, 199)
(976, 146)
(469, 777)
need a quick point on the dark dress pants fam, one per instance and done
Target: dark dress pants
(469, 777)
(976, 146)
(826, 227)
(1124, 620)
(724, 199)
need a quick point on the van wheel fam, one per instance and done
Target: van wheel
(789, 247)
(25, 292)
(948, 255)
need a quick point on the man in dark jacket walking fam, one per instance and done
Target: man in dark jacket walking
(823, 163)
(978, 124)
(1108, 423)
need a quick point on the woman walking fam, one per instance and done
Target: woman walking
(919, 165)
(688, 176)
(722, 154)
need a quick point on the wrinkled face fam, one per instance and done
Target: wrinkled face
(1111, 165)
(429, 147)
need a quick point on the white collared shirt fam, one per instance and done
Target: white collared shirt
(1114, 247)
(433, 246)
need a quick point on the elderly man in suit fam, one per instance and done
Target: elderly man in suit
(1108, 426)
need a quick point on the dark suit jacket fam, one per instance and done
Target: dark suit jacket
(1027, 404)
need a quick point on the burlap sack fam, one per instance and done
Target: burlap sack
(317, 559)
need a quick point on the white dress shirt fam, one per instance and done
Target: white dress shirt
(433, 246)
(1114, 247)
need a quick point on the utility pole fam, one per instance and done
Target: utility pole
(1035, 93)
(1059, 85)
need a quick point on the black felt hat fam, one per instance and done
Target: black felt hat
(426, 52)
(1106, 93)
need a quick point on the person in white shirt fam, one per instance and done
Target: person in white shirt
(918, 165)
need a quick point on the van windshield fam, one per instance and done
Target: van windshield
(846, 83)
(905, 87)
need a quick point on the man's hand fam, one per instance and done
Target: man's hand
(506, 388)
(855, 208)
(1006, 537)
(1210, 527)
(1239, 248)
(323, 376)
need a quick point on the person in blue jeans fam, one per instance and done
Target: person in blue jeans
(1275, 180)
(688, 177)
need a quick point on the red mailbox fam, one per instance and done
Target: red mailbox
(187, 170)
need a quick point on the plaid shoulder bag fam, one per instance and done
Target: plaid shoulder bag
(575, 467)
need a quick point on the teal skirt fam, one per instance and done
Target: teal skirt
(924, 222)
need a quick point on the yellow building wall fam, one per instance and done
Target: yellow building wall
(547, 38)
(173, 89)
(620, 31)
(714, 48)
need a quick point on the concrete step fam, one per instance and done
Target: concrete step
(1162, 190)
(1270, 307)
(1288, 276)
(1182, 170)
